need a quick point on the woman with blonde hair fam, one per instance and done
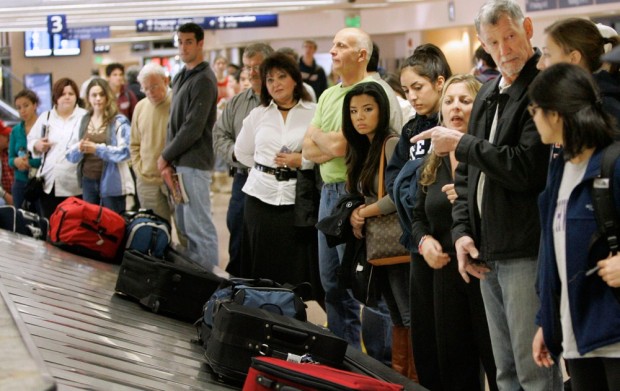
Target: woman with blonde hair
(463, 340)
(102, 152)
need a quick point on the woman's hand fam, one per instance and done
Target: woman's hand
(357, 222)
(43, 145)
(450, 192)
(288, 160)
(609, 270)
(88, 147)
(433, 253)
(21, 163)
(540, 353)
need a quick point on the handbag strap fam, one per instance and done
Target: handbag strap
(47, 131)
(381, 187)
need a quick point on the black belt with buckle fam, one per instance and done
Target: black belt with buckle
(238, 170)
(281, 173)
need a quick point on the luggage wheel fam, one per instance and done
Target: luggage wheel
(155, 306)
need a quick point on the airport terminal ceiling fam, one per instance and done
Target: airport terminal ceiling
(120, 15)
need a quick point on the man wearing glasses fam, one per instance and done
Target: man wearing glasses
(225, 133)
(148, 137)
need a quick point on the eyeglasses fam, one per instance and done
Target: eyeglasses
(255, 68)
(154, 87)
(532, 108)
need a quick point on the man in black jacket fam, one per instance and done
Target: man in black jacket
(503, 167)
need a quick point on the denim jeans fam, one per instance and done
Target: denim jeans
(343, 311)
(511, 304)
(234, 222)
(194, 218)
(91, 192)
(377, 332)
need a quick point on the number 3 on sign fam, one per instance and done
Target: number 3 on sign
(56, 24)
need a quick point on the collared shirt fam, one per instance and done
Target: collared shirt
(229, 124)
(262, 136)
(62, 133)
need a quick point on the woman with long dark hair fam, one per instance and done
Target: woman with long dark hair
(26, 103)
(365, 126)
(579, 316)
(422, 77)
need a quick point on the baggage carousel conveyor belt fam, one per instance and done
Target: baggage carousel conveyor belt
(76, 334)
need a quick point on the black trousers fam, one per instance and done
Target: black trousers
(594, 374)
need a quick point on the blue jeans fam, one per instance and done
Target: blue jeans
(194, 218)
(91, 193)
(234, 222)
(511, 304)
(377, 332)
(343, 311)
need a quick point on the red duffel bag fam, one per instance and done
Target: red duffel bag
(86, 229)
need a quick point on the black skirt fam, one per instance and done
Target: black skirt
(273, 247)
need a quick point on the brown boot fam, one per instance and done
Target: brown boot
(400, 348)
(412, 373)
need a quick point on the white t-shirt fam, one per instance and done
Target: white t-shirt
(572, 176)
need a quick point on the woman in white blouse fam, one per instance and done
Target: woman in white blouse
(51, 135)
(270, 143)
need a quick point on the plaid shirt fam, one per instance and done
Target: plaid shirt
(8, 177)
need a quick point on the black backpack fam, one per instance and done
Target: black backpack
(603, 201)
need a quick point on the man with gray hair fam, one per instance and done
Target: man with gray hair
(325, 144)
(148, 138)
(225, 133)
(503, 167)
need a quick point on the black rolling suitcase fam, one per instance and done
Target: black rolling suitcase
(23, 222)
(240, 333)
(358, 362)
(173, 286)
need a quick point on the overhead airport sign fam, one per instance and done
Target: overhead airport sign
(94, 32)
(56, 24)
(208, 22)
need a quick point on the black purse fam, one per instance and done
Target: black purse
(34, 188)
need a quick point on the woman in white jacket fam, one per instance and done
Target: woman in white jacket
(51, 135)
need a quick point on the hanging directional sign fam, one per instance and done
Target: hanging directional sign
(93, 32)
(208, 22)
(56, 24)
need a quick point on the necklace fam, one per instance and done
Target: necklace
(285, 108)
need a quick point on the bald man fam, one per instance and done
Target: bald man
(325, 144)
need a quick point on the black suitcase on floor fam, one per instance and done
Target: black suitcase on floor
(23, 222)
(173, 286)
(240, 333)
(358, 362)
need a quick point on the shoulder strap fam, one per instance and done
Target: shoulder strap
(602, 197)
(381, 190)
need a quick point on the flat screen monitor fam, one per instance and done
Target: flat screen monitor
(37, 44)
(65, 47)
(41, 84)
